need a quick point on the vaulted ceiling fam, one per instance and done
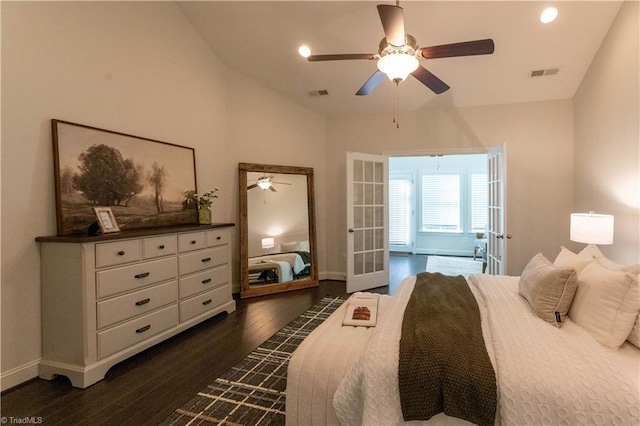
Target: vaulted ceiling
(260, 39)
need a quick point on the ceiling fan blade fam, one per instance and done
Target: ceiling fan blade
(341, 57)
(371, 84)
(252, 186)
(272, 188)
(465, 48)
(392, 18)
(431, 81)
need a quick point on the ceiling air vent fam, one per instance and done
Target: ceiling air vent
(542, 73)
(318, 93)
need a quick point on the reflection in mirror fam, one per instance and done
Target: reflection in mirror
(277, 229)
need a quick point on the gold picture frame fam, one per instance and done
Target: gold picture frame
(144, 181)
(106, 220)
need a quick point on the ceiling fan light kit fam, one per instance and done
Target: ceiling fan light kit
(399, 54)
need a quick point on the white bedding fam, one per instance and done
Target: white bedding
(294, 259)
(282, 268)
(544, 374)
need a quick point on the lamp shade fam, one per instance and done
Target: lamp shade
(267, 243)
(397, 66)
(591, 228)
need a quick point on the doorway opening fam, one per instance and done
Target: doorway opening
(438, 206)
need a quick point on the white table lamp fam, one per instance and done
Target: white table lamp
(267, 243)
(591, 228)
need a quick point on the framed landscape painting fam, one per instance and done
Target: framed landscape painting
(142, 181)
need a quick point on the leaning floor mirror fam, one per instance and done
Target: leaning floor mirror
(277, 229)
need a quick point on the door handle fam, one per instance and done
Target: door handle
(501, 236)
(351, 230)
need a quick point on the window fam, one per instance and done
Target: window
(399, 210)
(440, 202)
(479, 187)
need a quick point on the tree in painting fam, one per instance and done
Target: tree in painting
(157, 180)
(106, 178)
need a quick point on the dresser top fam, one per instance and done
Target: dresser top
(132, 233)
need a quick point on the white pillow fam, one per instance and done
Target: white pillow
(568, 259)
(304, 246)
(634, 269)
(606, 303)
(591, 250)
(289, 247)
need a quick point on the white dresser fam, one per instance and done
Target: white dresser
(108, 297)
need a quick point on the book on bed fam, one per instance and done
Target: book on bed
(362, 310)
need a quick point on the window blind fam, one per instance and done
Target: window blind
(440, 202)
(479, 194)
(399, 210)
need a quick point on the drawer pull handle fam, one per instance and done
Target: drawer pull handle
(161, 247)
(206, 302)
(143, 302)
(218, 237)
(121, 253)
(207, 281)
(206, 259)
(142, 275)
(193, 241)
(143, 329)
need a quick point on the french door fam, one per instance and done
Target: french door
(367, 221)
(496, 228)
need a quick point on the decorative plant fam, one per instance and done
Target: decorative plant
(200, 201)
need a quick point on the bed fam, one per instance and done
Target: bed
(270, 272)
(544, 373)
(290, 265)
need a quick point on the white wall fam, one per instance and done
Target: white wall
(539, 140)
(134, 67)
(607, 136)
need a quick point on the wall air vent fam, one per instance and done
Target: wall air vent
(318, 93)
(544, 72)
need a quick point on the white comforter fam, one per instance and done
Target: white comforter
(544, 375)
(294, 259)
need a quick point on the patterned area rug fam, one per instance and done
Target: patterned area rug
(453, 265)
(253, 392)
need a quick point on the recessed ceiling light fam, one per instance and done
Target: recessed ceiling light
(304, 51)
(548, 15)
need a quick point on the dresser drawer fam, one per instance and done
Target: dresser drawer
(197, 283)
(204, 302)
(117, 253)
(191, 241)
(140, 302)
(159, 246)
(122, 336)
(202, 259)
(118, 280)
(217, 237)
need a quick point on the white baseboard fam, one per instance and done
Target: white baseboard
(18, 375)
(336, 276)
(459, 253)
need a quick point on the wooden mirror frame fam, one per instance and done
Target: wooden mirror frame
(247, 289)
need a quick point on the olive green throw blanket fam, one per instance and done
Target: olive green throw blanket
(444, 365)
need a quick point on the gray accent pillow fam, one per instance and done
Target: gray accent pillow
(548, 288)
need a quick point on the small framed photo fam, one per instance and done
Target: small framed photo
(106, 220)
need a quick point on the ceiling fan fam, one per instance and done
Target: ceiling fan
(266, 182)
(398, 54)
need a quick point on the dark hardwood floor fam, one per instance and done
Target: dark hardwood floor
(146, 388)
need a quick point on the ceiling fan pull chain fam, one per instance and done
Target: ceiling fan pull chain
(396, 107)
